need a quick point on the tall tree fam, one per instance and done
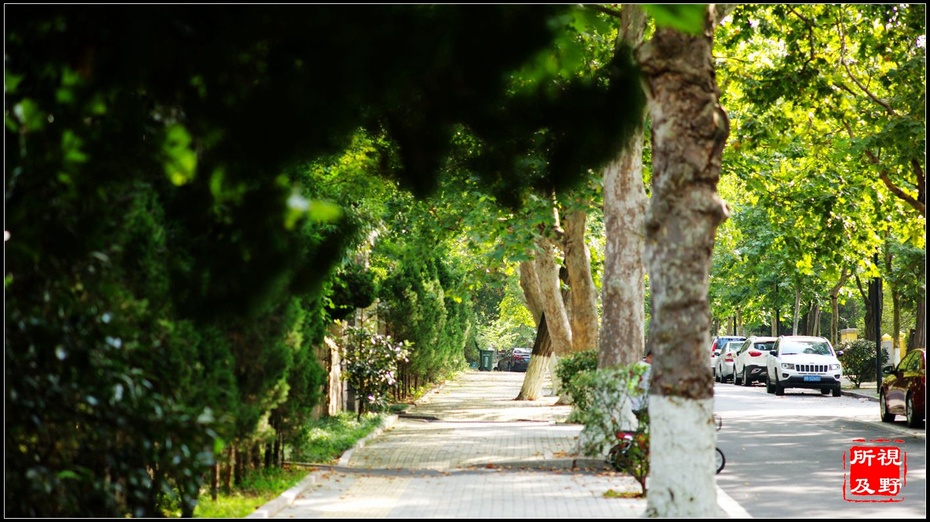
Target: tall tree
(689, 130)
(622, 335)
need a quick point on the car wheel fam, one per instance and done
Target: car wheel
(737, 379)
(779, 389)
(747, 380)
(883, 409)
(769, 388)
(914, 418)
(837, 391)
(825, 391)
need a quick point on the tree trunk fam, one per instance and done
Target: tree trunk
(797, 312)
(547, 272)
(867, 301)
(920, 331)
(539, 362)
(535, 373)
(583, 295)
(622, 336)
(689, 129)
(813, 320)
(835, 307)
(215, 481)
(529, 282)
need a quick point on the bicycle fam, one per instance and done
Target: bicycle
(631, 452)
(720, 459)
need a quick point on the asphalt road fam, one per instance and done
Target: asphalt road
(785, 455)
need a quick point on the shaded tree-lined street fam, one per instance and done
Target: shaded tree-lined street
(194, 228)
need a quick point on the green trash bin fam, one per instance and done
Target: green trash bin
(486, 360)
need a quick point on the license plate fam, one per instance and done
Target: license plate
(811, 378)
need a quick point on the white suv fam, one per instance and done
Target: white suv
(800, 361)
(750, 360)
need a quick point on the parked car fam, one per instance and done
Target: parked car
(717, 344)
(801, 361)
(723, 363)
(516, 360)
(904, 389)
(750, 360)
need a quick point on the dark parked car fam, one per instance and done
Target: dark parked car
(904, 390)
(517, 360)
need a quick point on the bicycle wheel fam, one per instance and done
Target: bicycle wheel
(721, 460)
(616, 454)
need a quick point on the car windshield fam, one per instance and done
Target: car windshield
(765, 346)
(806, 347)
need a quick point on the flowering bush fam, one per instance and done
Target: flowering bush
(370, 365)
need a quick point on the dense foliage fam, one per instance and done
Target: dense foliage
(859, 360)
(823, 172)
(569, 371)
(195, 193)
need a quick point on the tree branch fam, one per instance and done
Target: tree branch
(855, 80)
(915, 203)
(910, 200)
(606, 10)
(919, 173)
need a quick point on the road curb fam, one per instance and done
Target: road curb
(860, 395)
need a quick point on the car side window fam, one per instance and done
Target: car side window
(911, 362)
(745, 346)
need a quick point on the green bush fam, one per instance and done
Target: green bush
(607, 391)
(566, 371)
(859, 360)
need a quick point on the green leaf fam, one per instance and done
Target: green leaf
(71, 147)
(180, 160)
(687, 18)
(320, 210)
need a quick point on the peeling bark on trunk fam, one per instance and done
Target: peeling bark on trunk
(583, 295)
(689, 130)
(530, 285)
(622, 337)
(558, 339)
(547, 272)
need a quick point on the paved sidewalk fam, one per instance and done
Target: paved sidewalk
(866, 390)
(468, 450)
